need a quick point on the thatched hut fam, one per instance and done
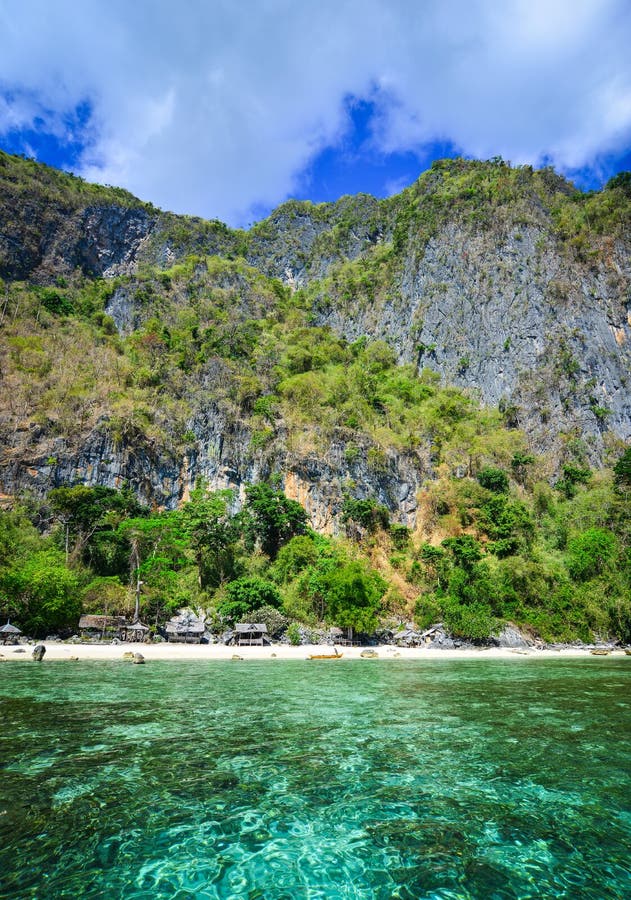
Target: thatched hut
(134, 633)
(101, 626)
(343, 636)
(185, 628)
(251, 633)
(9, 633)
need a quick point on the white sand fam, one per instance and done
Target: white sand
(190, 652)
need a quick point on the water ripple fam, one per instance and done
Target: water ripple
(452, 782)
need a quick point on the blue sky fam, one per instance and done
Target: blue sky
(224, 110)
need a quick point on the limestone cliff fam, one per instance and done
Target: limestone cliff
(505, 282)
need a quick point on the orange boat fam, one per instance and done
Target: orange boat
(335, 655)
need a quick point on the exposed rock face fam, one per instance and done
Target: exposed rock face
(494, 298)
(315, 478)
(97, 240)
(516, 321)
(223, 457)
(155, 475)
(511, 638)
(299, 242)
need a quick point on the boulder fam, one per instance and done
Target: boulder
(369, 654)
(511, 637)
(138, 659)
(38, 652)
(128, 654)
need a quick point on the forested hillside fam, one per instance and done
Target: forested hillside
(423, 400)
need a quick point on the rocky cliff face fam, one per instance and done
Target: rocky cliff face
(222, 455)
(52, 224)
(526, 326)
(505, 282)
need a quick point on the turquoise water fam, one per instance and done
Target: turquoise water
(352, 779)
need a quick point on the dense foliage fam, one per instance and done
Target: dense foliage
(139, 363)
(559, 566)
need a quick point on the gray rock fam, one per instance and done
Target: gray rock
(138, 659)
(38, 652)
(511, 637)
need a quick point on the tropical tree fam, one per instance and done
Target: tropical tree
(271, 519)
(212, 534)
(82, 511)
(42, 594)
(622, 470)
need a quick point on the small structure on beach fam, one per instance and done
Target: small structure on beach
(250, 634)
(343, 636)
(9, 633)
(185, 628)
(101, 627)
(134, 633)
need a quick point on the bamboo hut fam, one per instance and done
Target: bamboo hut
(250, 634)
(134, 633)
(9, 633)
(185, 628)
(101, 626)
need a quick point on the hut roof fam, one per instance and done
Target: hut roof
(102, 621)
(247, 627)
(10, 629)
(185, 628)
(137, 626)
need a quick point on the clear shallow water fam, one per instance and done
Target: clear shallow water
(281, 780)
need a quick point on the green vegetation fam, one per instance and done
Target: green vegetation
(21, 177)
(198, 556)
(140, 364)
(494, 542)
(557, 565)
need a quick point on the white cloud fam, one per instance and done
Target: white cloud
(214, 108)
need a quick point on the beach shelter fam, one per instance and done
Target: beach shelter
(185, 628)
(101, 627)
(136, 632)
(249, 633)
(9, 633)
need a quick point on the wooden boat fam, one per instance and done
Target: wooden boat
(335, 655)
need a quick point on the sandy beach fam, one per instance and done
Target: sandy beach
(56, 651)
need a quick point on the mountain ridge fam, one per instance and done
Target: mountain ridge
(506, 282)
(435, 383)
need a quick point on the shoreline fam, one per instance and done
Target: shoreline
(58, 651)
